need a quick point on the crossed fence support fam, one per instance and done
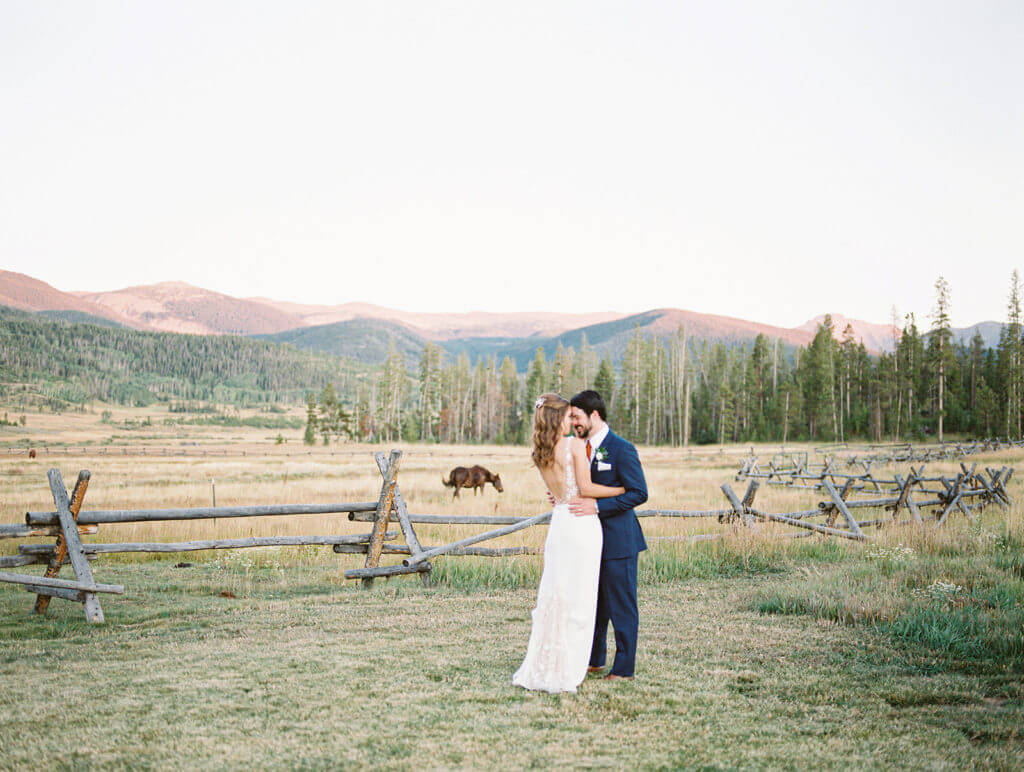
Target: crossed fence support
(68, 549)
(792, 468)
(967, 493)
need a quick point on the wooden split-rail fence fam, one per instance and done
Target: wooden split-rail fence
(915, 494)
(913, 499)
(794, 467)
(69, 522)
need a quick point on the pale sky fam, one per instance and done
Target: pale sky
(766, 160)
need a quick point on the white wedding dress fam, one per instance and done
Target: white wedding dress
(563, 620)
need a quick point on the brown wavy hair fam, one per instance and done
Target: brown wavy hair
(547, 425)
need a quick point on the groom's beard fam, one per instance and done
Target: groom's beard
(580, 432)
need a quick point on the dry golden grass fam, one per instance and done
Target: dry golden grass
(755, 650)
(172, 466)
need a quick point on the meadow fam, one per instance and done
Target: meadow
(755, 650)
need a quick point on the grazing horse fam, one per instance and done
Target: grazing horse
(474, 477)
(32, 453)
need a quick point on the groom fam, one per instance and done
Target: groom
(614, 462)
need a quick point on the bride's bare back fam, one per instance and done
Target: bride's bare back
(557, 481)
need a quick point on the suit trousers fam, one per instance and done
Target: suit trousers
(616, 603)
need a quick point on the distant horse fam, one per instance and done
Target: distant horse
(474, 477)
(31, 452)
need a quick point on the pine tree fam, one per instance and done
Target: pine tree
(536, 377)
(309, 437)
(604, 382)
(940, 345)
(327, 411)
(1014, 352)
(586, 366)
(817, 380)
(430, 392)
(392, 388)
(513, 412)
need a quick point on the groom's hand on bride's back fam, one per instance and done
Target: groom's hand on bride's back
(583, 507)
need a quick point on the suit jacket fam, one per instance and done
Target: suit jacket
(623, 537)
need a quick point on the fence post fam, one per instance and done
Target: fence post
(384, 504)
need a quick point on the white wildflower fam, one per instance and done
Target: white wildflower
(897, 554)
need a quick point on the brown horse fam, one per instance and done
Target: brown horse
(474, 477)
(32, 453)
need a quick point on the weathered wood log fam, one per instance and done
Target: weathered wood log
(368, 517)
(399, 549)
(73, 543)
(737, 506)
(999, 483)
(485, 536)
(901, 500)
(101, 516)
(384, 571)
(14, 561)
(45, 581)
(19, 531)
(383, 514)
(411, 540)
(953, 497)
(908, 500)
(830, 506)
(808, 526)
(60, 553)
(696, 513)
(990, 494)
(55, 592)
(212, 544)
(419, 518)
(966, 509)
(841, 505)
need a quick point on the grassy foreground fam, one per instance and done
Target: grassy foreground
(299, 670)
(755, 650)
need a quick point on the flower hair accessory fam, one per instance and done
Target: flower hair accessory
(539, 403)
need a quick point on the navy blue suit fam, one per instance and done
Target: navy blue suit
(623, 542)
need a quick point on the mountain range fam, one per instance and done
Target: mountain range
(363, 331)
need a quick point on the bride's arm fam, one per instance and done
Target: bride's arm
(588, 488)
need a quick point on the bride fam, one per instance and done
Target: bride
(563, 620)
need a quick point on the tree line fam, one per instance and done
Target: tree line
(679, 391)
(77, 362)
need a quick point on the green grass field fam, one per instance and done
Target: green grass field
(301, 671)
(755, 651)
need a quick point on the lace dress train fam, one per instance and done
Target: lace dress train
(563, 619)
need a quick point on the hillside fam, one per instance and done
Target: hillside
(447, 326)
(876, 337)
(361, 331)
(610, 338)
(73, 362)
(27, 294)
(180, 307)
(363, 340)
(990, 332)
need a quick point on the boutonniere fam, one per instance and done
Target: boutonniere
(601, 454)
